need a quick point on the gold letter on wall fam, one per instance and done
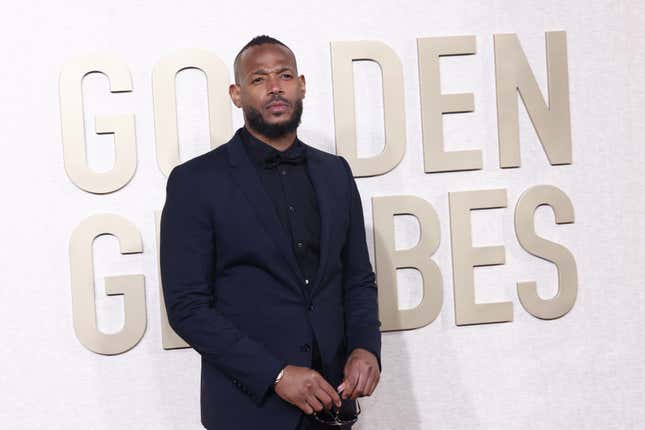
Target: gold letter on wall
(434, 104)
(220, 117)
(465, 258)
(552, 122)
(342, 56)
(388, 260)
(73, 126)
(563, 301)
(82, 276)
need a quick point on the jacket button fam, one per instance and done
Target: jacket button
(305, 348)
(311, 307)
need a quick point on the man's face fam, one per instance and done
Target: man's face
(269, 91)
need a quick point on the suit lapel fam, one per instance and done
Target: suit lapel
(324, 197)
(245, 175)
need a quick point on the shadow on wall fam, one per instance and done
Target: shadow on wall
(392, 406)
(422, 389)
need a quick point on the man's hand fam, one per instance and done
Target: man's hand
(306, 389)
(361, 374)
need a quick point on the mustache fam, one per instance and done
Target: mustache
(278, 98)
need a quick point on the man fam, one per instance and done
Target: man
(264, 264)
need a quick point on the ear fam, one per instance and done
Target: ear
(234, 92)
(303, 85)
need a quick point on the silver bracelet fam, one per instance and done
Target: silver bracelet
(277, 379)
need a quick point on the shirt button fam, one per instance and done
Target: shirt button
(299, 244)
(291, 208)
(284, 172)
(306, 281)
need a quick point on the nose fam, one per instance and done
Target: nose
(274, 85)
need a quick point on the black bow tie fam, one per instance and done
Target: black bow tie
(296, 156)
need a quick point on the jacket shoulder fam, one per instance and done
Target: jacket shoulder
(320, 153)
(336, 160)
(333, 162)
(204, 164)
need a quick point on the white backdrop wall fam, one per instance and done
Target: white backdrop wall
(582, 371)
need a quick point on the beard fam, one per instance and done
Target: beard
(273, 131)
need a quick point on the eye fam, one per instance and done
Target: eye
(256, 80)
(287, 75)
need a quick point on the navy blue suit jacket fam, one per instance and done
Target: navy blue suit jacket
(234, 292)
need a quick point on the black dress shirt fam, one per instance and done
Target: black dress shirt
(294, 198)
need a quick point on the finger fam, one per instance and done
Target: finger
(360, 386)
(351, 378)
(324, 398)
(304, 407)
(353, 381)
(367, 383)
(371, 385)
(329, 390)
(347, 386)
(377, 378)
(314, 403)
(347, 371)
(320, 391)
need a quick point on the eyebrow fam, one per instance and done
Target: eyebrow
(264, 72)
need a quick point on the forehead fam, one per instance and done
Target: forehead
(266, 56)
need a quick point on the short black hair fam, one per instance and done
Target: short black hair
(257, 40)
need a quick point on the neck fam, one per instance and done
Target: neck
(280, 143)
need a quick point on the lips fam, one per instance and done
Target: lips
(277, 106)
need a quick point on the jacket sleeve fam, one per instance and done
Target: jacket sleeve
(362, 326)
(187, 260)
